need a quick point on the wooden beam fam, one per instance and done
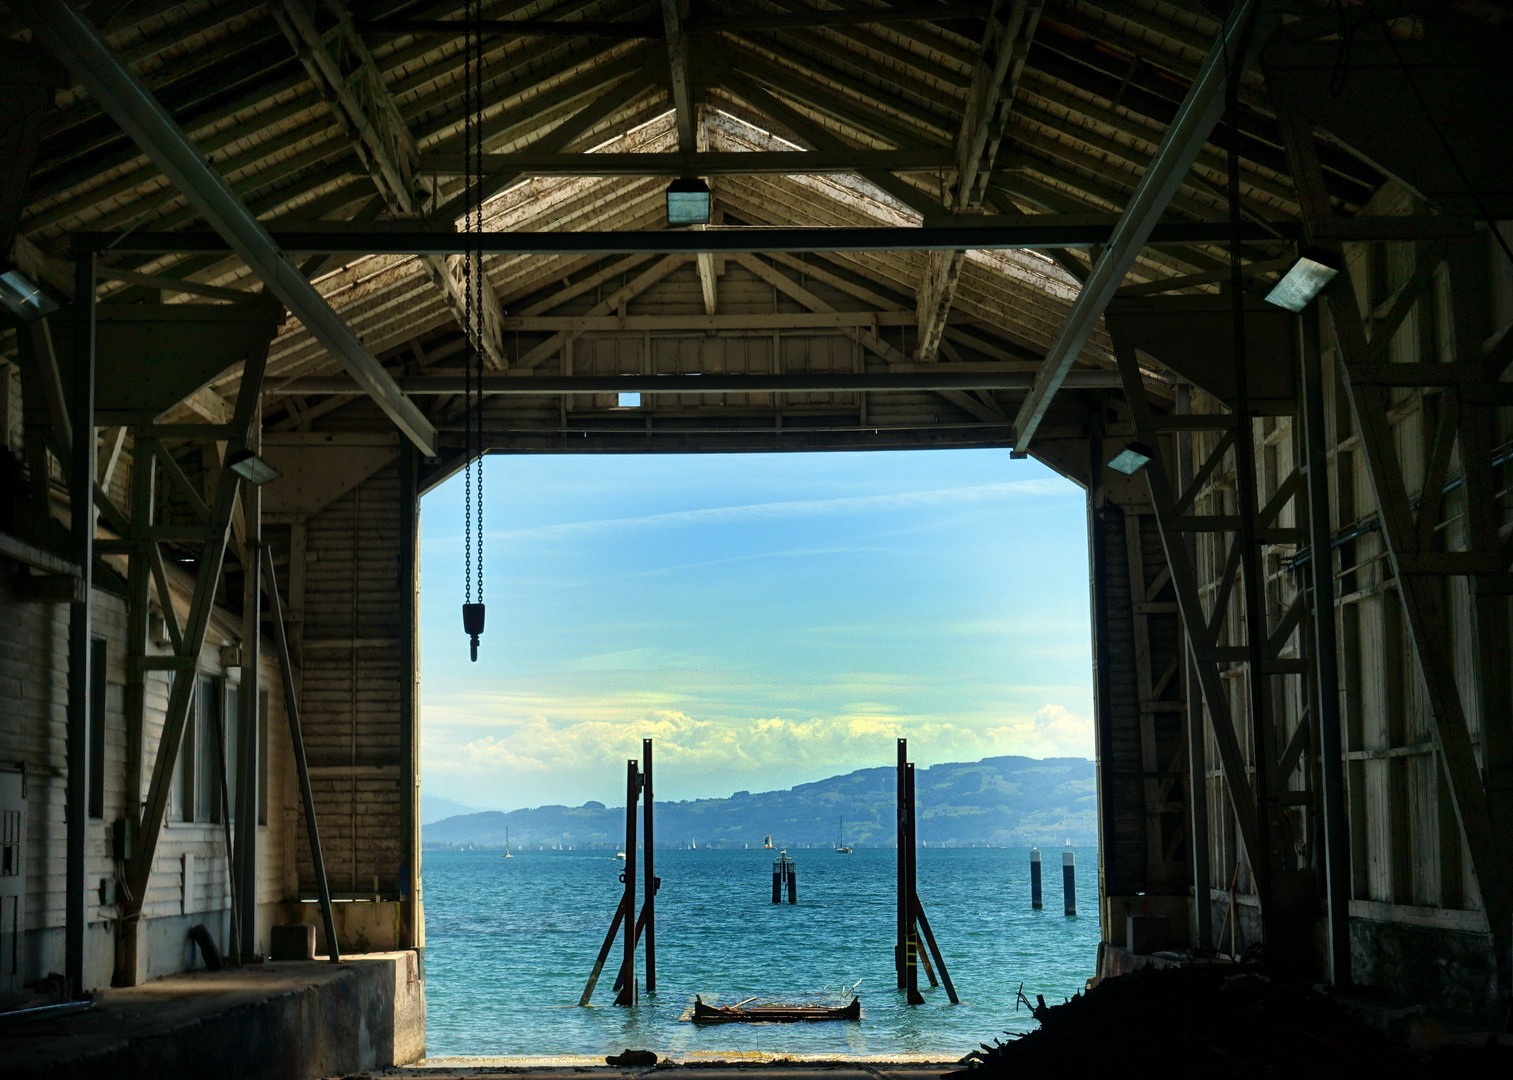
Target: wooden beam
(344, 71)
(617, 97)
(673, 14)
(707, 163)
(707, 282)
(1249, 25)
(937, 377)
(123, 96)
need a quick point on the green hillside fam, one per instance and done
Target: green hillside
(1006, 801)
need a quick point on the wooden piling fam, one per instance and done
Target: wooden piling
(1035, 897)
(911, 900)
(649, 888)
(609, 943)
(901, 947)
(1069, 880)
(632, 792)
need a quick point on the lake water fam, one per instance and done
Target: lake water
(510, 943)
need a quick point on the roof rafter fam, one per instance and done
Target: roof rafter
(995, 78)
(344, 71)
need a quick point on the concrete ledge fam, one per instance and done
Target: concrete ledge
(287, 1021)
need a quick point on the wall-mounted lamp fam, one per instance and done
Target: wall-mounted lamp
(23, 298)
(688, 202)
(1304, 280)
(251, 468)
(1131, 459)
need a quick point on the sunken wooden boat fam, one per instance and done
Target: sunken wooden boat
(772, 1014)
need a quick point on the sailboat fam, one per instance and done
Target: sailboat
(840, 839)
(508, 854)
(693, 844)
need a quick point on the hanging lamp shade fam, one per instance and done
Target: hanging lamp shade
(688, 202)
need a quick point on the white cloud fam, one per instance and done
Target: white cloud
(705, 754)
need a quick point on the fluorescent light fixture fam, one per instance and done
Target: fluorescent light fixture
(1131, 459)
(23, 298)
(1304, 280)
(630, 401)
(688, 202)
(252, 468)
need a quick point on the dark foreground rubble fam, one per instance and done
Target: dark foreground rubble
(1235, 1022)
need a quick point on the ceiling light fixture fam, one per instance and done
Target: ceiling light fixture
(1131, 459)
(251, 468)
(23, 298)
(1304, 280)
(687, 202)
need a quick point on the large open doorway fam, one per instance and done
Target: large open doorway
(774, 622)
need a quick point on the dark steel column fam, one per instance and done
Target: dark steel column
(627, 994)
(301, 763)
(1103, 689)
(1197, 750)
(911, 897)
(900, 949)
(138, 588)
(1257, 681)
(1326, 675)
(650, 885)
(248, 750)
(409, 835)
(81, 493)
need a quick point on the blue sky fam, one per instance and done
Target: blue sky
(769, 619)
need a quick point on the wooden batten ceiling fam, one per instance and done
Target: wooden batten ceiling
(1100, 83)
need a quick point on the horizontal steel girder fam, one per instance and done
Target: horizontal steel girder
(1044, 231)
(861, 382)
(1079, 233)
(713, 163)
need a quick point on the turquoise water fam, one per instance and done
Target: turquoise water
(510, 942)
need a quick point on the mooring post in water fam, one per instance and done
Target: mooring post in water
(785, 872)
(1035, 901)
(901, 947)
(911, 901)
(627, 994)
(649, 911)
(1069, 880)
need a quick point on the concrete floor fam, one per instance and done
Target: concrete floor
(478, 1069)
(275, 1020)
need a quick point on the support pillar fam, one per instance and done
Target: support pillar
(249, 749)
(650, 886)
(1197, 748)
(81, 491)
(412, 934)
(1326, 675)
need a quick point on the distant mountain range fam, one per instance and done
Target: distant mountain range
(1007, 801)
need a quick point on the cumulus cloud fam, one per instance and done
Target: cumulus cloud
(706, 755)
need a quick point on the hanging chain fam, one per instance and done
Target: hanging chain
(475, 302)
(467, 293)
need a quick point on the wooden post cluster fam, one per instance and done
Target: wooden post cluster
(912, 921)
(637, 783)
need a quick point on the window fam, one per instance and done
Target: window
(96, 766)
(185, 802)
(207, 721)
(231, 743)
